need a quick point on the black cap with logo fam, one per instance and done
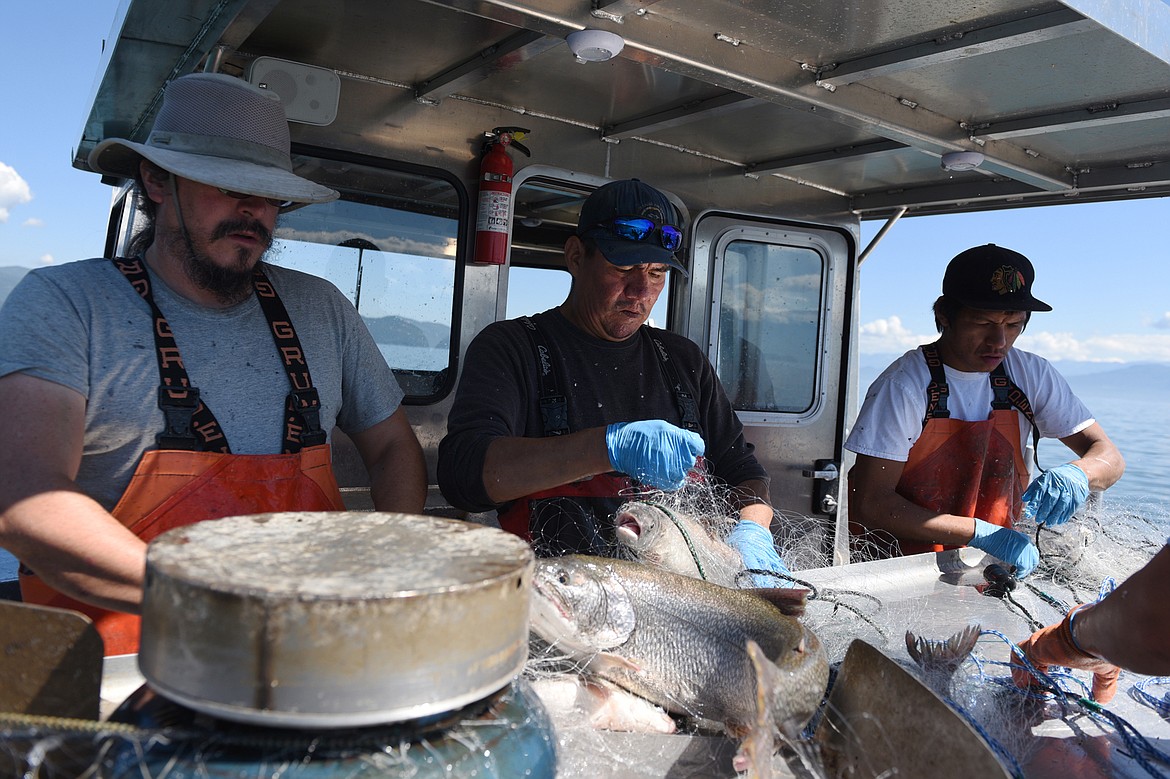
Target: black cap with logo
(992, 278)
(630, 200)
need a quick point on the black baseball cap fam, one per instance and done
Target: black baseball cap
(628, 198)
(992, 278)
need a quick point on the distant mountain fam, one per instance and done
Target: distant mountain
(9, 276)
(1146, 378)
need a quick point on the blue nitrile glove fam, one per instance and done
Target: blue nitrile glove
(755, 545)
(1056, 495)
(653, 451)
(1008, 545)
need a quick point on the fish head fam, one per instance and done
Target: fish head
(579, 605)
(638, 526)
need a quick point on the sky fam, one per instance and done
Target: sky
(1105, 268)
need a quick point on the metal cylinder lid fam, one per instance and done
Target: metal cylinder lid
(333, 619)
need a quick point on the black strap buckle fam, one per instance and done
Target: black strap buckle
(307, 404)
(554, 414)
(178, 407)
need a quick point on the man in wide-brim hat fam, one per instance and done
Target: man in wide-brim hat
(188, 380)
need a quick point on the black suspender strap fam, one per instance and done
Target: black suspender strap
(302, 424)
(937, 391)
(688, 409)
(188, 423)
(1005, 395)
(554, 410)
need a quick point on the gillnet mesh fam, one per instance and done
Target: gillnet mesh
(876, 600)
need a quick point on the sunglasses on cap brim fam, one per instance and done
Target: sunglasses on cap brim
(639, 228)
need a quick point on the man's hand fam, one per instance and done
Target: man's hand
(1008, 545)
(754, 544)
(1056, 495)
(1055, 645)
(653, 451)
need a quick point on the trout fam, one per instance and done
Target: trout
(683, 644)
(675, 541)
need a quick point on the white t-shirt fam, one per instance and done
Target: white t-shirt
(890, 420)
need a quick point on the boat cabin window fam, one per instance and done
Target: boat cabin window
(389, 244)
(768, 326)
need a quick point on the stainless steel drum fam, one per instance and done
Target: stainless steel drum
(340, 619)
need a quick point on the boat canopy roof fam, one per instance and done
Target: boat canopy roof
(826, 108)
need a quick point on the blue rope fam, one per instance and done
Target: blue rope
(1140, 748)
(1160, 705)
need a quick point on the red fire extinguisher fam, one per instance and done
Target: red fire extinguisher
(495, 195)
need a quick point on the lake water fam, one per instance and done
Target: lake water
(1137, 418)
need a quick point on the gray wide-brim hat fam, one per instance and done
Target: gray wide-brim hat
(220, 131)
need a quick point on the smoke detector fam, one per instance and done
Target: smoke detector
(594, 45)
(961, 160)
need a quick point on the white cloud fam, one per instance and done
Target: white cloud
(890, 336)
(1122, 347)
(46, 259)
(33, 222)
(1162, 322)
(13, 190)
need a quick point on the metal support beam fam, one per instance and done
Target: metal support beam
(959, 45)
(832, 155)
(692, 111)
(1090, 116)
(508, 53)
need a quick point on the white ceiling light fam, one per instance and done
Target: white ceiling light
(594, 45)
(961, 160)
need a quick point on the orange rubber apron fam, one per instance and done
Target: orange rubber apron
(967, 468)
(176, 487)
(972, 469)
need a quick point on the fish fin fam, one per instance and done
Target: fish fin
(790, 601)
(755, 751)
(610, 707)
(945, 656)
(608, 661)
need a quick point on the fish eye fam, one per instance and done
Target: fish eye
(563, 577)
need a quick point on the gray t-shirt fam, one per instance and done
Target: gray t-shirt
(82, 325)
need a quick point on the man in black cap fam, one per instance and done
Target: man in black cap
(189, 380)
(941, 436)
(560, 417)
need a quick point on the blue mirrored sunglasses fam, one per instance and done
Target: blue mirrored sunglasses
(269, 200)
(639, 228)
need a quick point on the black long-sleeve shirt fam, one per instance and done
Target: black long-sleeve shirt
(604, 382)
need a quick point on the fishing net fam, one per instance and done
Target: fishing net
(877, 600)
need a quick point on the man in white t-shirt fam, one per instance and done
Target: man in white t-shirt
(941, 436)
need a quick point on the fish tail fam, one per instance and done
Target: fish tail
(757, 747)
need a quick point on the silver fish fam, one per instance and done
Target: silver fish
(683, 644)
(675, 541)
